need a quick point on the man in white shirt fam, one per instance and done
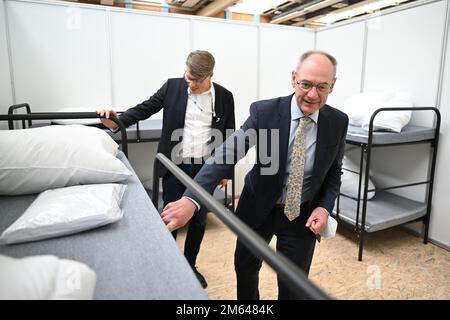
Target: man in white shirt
(193, 106)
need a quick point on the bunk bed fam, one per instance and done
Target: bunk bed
(148, 130)
(386, 209)
(135, 258)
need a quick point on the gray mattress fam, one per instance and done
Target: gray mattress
(385, 210)
(135, 258)
(408, 134)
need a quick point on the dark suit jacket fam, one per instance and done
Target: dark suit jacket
(261, 192)
(173, 96)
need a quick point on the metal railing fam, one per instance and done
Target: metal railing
(290, 274)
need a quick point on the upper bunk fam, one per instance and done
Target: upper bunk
(409, 133)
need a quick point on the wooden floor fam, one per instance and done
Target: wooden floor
(396, 265)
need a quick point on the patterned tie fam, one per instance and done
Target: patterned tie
(295, 180)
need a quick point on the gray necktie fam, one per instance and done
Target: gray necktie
(295, 180)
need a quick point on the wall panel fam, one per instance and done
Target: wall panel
(60, 55)
(235, 47)
(6, 96)
(146, 51)
(346, 44)
(404, 52)
(280, 49)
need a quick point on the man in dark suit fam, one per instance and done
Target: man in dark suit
(196, 111)
(267, 203)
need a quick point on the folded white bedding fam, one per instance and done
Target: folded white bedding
(66, 211)
(45, 277)
(360, 108)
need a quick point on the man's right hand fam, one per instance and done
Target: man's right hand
(105, 121)
(176, 214)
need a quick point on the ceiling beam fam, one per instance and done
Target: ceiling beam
(303, 9)
(215, 7)
(190, 3)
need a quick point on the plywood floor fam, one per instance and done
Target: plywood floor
(396, 265)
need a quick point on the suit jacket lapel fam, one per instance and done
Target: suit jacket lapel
(182, 104)
(323, 131)
(218, 104)
(284, 124)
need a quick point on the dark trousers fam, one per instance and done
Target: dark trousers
(173, 190)
(294, 241)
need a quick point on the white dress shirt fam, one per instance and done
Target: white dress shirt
(197, 124)
(311, 137)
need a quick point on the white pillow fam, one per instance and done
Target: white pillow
(391, 120)
(37, 159)
(45, 277)
(66, 211)
(358, 106)
(350, 180)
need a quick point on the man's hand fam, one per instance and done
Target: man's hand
(317, 220)
(223, 183)
(105, 121)
(176, 214)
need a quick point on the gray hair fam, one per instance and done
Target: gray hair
(332, 59)
(201, 63)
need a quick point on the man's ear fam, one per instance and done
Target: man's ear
(332, 85)
(293, 79)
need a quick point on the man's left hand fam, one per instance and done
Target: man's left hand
(317, 220)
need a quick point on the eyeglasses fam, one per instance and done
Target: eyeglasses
(197, 81)
(306, 85)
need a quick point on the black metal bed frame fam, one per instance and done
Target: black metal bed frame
(366, 148)
(138, 139)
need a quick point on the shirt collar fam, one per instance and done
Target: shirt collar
(296, 113)
(210, 91)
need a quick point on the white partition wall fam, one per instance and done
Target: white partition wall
(404, 52)
(280, 49)
(235, 48)
(59, 55)
(346, 44)
(6, 95)
(440, 219)
(146, 50)
(403, 55)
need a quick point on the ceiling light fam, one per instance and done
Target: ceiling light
(255, 6)
(320, 5)
(287, 17)
(357, 10)
(340, 5)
